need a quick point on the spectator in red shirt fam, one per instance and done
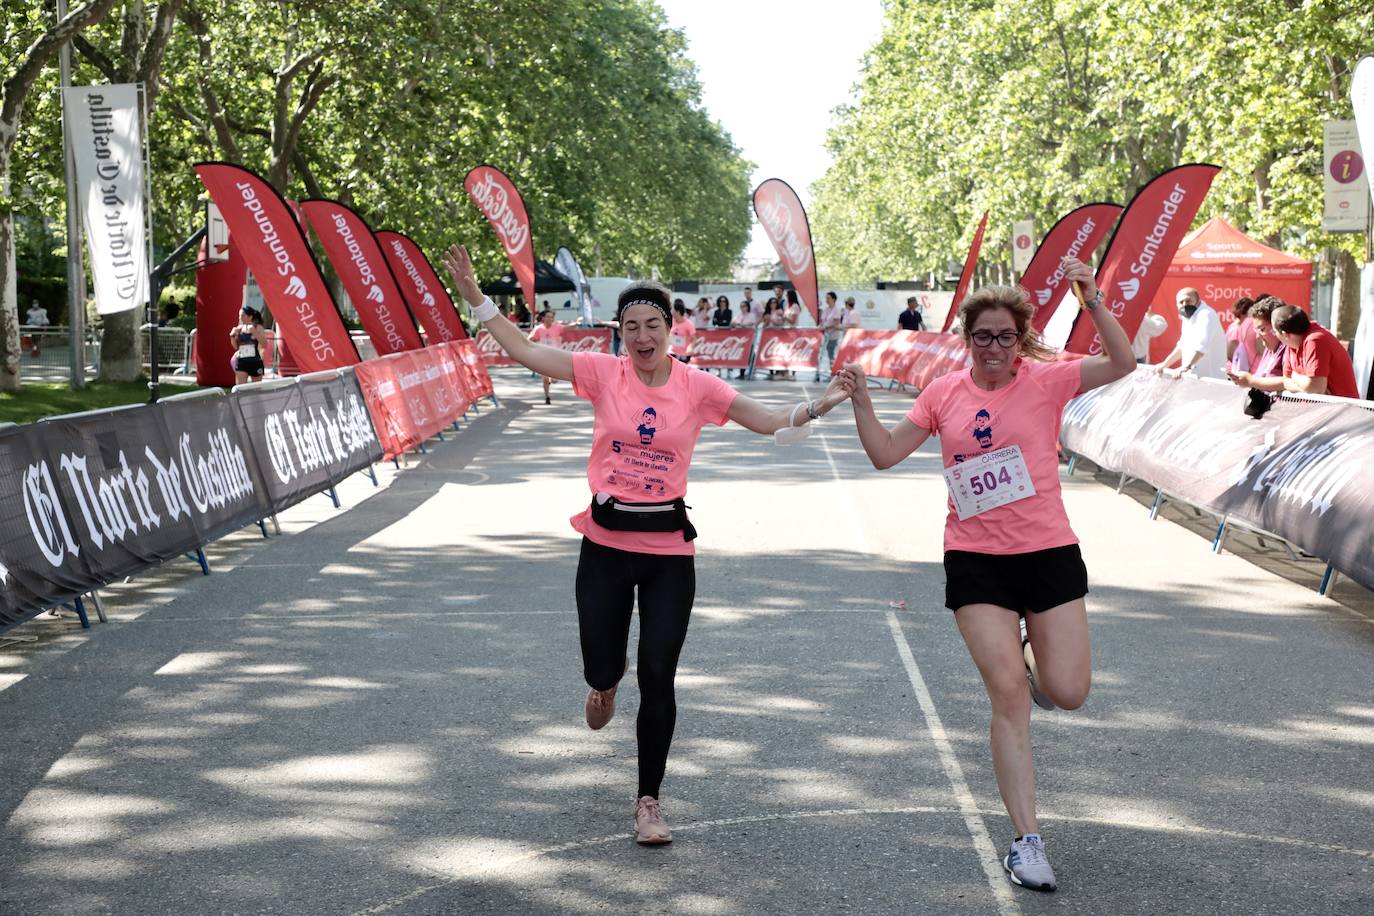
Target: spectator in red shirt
(1314, 363)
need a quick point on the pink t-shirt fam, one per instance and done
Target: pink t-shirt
(680, 340)
(1027, 412)
(552, 335)
(642, 440)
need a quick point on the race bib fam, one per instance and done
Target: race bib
(247, 350)
(988, 481)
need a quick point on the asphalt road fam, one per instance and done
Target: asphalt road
(380, 712)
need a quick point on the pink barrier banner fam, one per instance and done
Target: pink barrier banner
(789, 349)
(914, 358)
(722, 348)
(490, 351)
(417, 376)
(387, 407)
(474, 370)
(586, 340)
(453, 378)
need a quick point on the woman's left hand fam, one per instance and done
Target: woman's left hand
(835, 394)
(1075, 271)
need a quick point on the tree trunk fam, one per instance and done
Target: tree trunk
(1345, 297)
(121, 346)
(9, 305)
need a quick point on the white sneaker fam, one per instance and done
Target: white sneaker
(1028, 865)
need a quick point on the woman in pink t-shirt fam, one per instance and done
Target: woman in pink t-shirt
(649, 410)
(683, 332)
(550, 333)
(1009, 550)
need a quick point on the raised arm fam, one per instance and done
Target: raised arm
(757, 417)
(884, 447)
(550, 361)
(1117, 359)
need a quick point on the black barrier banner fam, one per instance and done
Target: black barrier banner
(308, 435)
(92, 498)
(40, 559)
(1299, 472)
(223, 483)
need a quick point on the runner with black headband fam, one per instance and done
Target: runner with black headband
(649, 410)
(1009, 550)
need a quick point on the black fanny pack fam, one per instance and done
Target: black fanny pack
(663, 517)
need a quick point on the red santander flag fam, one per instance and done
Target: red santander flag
(780, 211)
(497, 198)
(272, 243)
(1076, 235)
(966, 275)
(1141, 249)
(423, 291)
(360, 264)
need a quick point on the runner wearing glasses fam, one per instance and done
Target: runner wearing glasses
(1009, 550)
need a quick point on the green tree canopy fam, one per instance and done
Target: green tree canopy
(1028, 109)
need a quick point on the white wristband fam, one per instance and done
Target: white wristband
(485, 310)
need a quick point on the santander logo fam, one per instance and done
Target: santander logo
(428, 300)
(375, 294)
(495, 203)
(1042, 296)
(296, 287)
(1129, 288)
(775, 212)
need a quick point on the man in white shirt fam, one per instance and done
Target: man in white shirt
(1201, 347)
(38, 316)
(1151, 326)
(830, 324)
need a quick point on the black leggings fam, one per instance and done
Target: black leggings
(606, 581)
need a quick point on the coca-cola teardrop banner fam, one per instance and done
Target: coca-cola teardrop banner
(360, 264)
(966, 275)
(497, 198)
(780, 211)
(429, 301)
(271, 241)
(1142, 247)
(1076, 235)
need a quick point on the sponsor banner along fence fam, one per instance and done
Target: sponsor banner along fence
(574, 340)
(722, 348)
(1299, 472)
(788, 349)
(911, 357)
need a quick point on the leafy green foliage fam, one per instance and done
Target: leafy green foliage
(1028, 109)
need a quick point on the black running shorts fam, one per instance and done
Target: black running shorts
(1035, 581)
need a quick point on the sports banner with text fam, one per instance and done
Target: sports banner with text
(1076, 235)
(783, 217)
(1148, 234)
(499, 201)
(721, 348)
(475, 370)
(271, 241)
(788, 349)
(966, 275)
(361, 266)
(429, 301)
(1298, 472)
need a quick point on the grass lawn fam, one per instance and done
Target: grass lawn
(36, 400)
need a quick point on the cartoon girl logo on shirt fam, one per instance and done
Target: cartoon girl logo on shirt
(982, 429)
(648, 422)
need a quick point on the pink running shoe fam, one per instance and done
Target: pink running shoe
(650, 828)
(600, 706)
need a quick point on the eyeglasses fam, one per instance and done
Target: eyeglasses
(1005, 340)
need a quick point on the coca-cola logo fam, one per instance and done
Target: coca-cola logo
(775, 212)
(734, 348)
(494, 201)
(802, 351)
(590, 343)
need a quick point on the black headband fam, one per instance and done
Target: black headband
(667, 315)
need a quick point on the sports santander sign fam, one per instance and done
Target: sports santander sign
(271, 242)
(499, 201)
(784, 219)
(1076, 235)
(1142, 248)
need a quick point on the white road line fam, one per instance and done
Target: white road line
(973, 820)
